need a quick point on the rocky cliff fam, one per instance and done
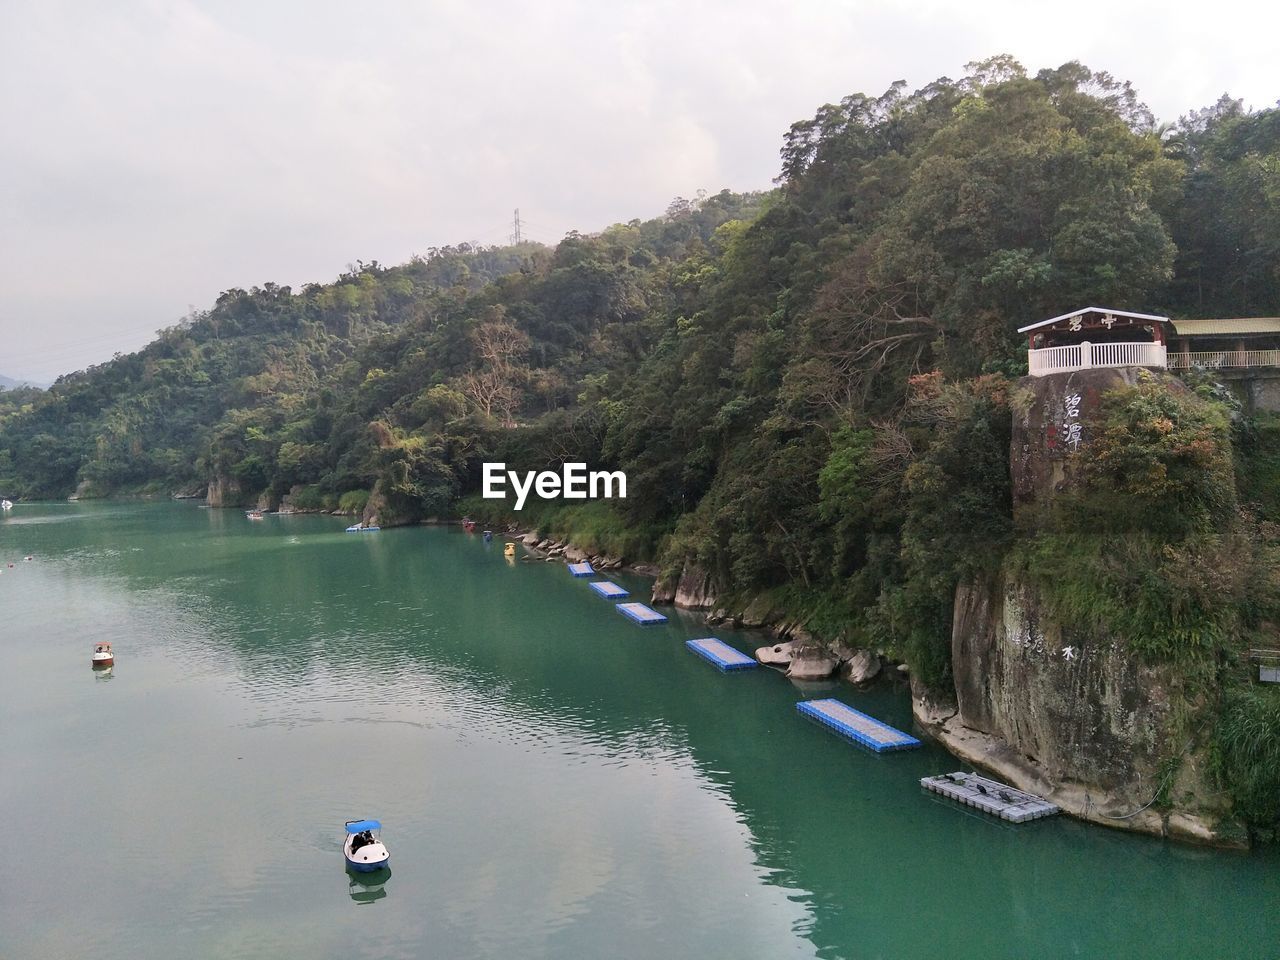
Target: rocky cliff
(224, 491)
(693, 589)
(1056, 708)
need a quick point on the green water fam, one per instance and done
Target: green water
(554, 780)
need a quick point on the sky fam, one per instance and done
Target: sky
(156, 152)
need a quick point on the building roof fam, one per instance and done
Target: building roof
(1227, 327)
(1084, 310)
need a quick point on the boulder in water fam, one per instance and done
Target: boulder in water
(778, 655)
(863, 667)
(811, 663)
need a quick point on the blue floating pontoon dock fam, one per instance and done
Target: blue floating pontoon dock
(721, 654)
(582, 569)
(857, 726)
(607, 588)
(640, 613)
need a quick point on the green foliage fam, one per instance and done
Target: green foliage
(1247, 754)
(311, 497)
(595, 526)
(353, 501)
(1161, 461)
(846, 491)
(958, 515)
(1257, 448)
(1226, 223)
(1166, 602)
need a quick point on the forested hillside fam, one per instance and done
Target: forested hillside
(808, 389)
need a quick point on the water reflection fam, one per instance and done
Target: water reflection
(367, 887)
(103, 673)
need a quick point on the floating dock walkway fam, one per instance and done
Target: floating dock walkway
(857, 726)
(721, 654)
(640, 613)
(607, 588)
(990, 796)
(582, 569)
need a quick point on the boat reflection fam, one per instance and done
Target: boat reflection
(102, 673)
(367, 887)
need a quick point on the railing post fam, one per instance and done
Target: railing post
(1086, 355)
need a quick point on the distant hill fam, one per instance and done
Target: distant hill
(8, 383)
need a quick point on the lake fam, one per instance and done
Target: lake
(554, 780)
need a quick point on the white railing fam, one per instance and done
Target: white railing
(1086, 356)
(1213, 359)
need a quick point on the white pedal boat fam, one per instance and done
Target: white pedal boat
(362, 848)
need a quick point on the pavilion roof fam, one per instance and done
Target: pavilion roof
(1227, 326)
(1083, 310)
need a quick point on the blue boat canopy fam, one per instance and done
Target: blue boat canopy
(360, 826)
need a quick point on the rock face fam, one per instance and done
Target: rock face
(863, 667)
(1060, 709)
(692, 590)
(1055, 416)
(373, 510)
(1068, 714)
(224, 491)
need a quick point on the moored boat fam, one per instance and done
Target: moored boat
(363, 528)
(363, 849)
(6, 504)
(102, 655)
(468, 525)
(254, 514)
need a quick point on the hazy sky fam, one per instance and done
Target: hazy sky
(155, 153)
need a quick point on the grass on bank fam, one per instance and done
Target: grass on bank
(595, 526)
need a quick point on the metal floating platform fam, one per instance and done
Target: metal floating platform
(582, 569)
(857, 726)
(990, 796)
(721, 654)
(640, 613)
(607, 588)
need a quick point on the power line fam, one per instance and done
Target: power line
(515, 223)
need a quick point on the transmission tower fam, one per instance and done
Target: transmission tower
(515, 227)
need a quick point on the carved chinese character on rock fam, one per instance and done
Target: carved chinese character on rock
(1072, 436)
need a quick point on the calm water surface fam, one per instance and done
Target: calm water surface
(554, 780)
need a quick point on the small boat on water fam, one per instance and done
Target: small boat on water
(254, 514)
(6, 504)
(102, 655)
(488, 536)
(510, 549)
(362, 848)
(468, 525)
(361, 528)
